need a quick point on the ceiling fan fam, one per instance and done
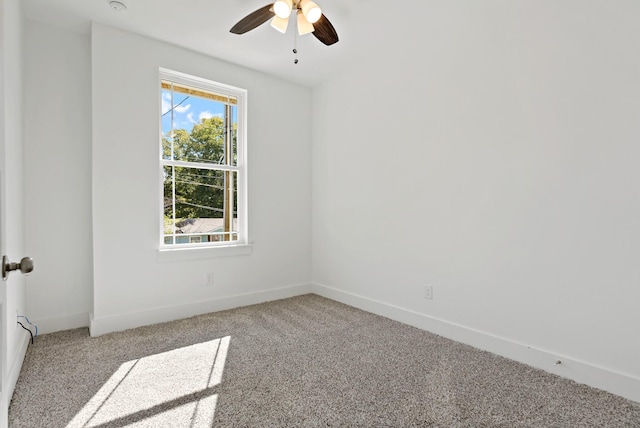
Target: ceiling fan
(309, 16)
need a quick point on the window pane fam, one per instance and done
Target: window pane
(198, 126)
(200, 205)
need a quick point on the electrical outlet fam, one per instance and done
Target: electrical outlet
(428, 292)
(210, 279)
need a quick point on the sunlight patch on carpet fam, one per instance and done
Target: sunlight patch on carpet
(177, 385)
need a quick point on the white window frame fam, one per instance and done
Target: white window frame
(241, 246)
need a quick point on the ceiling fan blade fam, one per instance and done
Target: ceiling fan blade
(253, 20)
(324, 31)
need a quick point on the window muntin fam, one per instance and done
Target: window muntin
(202, 163)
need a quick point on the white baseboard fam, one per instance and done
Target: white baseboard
(583, 372)
(99, 326)
(64, 322)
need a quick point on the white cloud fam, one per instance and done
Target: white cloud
(166, 105)
(182, 109)
(205, 115)
(190, 118)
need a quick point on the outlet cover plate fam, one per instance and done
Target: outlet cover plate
(428, 292)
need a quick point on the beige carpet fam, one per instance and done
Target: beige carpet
(306, 361)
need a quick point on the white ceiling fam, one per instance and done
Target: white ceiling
(203, 26)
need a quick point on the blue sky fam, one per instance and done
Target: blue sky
(188, 113)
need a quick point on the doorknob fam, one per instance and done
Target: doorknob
(25, 266)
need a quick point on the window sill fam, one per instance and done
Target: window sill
(180, 254)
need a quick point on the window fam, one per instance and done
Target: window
(202, 163)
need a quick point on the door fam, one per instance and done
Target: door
(11, 198)
(3, 298)
(12, 291)
(3, 293)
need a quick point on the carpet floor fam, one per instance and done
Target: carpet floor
(300, 362)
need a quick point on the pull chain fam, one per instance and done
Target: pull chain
(295, 46)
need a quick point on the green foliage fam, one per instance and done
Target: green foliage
(199, 192)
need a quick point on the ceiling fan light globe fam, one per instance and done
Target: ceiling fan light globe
(280, 24)
(304, 26)
(311, 11)
(282, 8)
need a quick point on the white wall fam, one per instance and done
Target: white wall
(128, 278)
(12, 203)
(491, 149)
(58, 176)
